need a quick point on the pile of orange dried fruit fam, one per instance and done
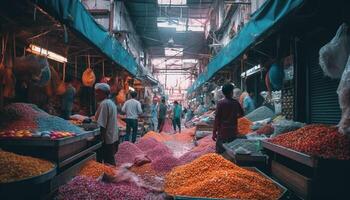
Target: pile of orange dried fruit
(212, 176)
(15, 167)
(95, 169)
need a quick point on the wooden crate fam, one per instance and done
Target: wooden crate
(309, 177)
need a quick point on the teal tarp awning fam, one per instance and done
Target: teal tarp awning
(74, 15)
(266, 18)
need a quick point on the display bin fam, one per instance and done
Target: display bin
(61, 151)
(256, 159)
(282, 196)
(204, 127)
(308, 177)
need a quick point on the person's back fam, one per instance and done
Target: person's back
(162, 110)
(132, 108)
(228, 110)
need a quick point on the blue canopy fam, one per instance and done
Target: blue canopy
(266, 18)
(74, 15)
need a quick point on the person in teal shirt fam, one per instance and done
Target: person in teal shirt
(177, 112)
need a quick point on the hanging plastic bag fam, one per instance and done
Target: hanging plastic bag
(276, 75)
(89, 77)
(344, 100)
(333, 55)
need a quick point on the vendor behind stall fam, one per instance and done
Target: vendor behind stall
(228, 110)
(106, 118)
(68, 98)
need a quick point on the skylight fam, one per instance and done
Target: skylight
(180, 26)
(173, 51)
(172, 2)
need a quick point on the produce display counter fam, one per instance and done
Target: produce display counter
(61, 151)
(69, 154)
(281, 187)
(309, 177)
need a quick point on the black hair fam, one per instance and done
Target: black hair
(227, 89)
(163, 100)
(175, 102)
(133, 94)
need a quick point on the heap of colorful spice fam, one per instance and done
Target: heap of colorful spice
(95, 169)
(266, 130)
(127, 152)
(212, 176)
(316, 140)
(82, 187)
(15, 167)
(244, 126)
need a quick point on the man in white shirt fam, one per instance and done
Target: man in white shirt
(133, 109)
(106, 118)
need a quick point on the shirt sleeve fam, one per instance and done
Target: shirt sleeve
(139, 109)
(123, 108)
(101, 116)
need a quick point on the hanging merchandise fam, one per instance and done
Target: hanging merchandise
(126, 84)
(276, 75)
(29, 68)
(121, 97)
(89, 77)
(333, 55)
(344, 100)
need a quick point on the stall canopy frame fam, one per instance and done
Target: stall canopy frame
(265, 19)
(74, 15)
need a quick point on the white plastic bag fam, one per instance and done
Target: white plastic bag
(333, 55)
(344, 100)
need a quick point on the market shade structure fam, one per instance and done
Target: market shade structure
(265, 19)
(74, 15)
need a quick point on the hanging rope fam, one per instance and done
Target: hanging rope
(103, 68)
(76, 67)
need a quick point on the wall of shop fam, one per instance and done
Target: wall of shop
(121, 24)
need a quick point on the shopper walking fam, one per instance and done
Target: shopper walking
(133, 109)
(228, 110)
(177, 112)
(154, 114)
(162, 111)
(106, 118)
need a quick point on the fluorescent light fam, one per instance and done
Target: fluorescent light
(251, 71)
(172, 2)
(44, 52)
(131, 88)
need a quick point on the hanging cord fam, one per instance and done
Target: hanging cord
(64, 71)
(103, 68)
(4, 45)
(76, 67)
(88, 60)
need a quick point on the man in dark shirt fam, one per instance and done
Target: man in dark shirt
(228, 110)
(161, 114)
